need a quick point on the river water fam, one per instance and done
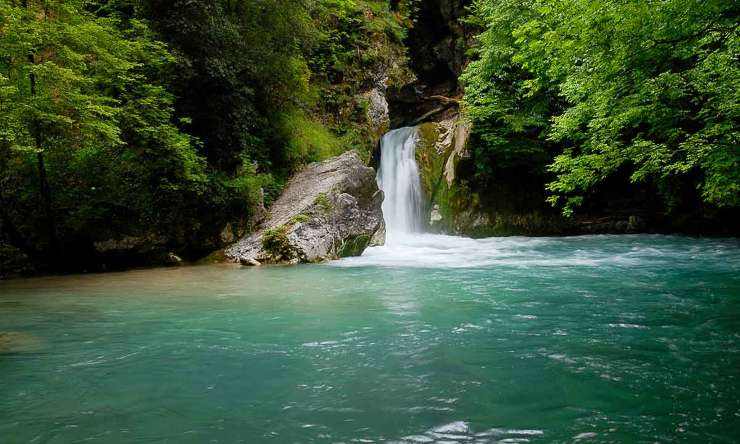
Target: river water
(602, 338)
(428, 339)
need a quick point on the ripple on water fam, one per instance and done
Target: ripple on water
(459, 432)
(604, 339)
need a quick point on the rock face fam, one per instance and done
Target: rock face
(377, 112)
(331, 209)
(456, 207)
(441, 148)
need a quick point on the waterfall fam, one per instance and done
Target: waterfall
(406, 242)
(398, 177)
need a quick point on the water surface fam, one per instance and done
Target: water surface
(587, 339)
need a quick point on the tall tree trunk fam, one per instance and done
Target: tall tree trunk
(45, 189)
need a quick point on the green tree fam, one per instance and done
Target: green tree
(646, 87)
(86, 131)
(509, 107)
(240, 70)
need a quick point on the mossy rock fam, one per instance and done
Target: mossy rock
(433, 150)
(324, 203)
(354, 246)
(275, 242)
(216, 257)
(431, 163)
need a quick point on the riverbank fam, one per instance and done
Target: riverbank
(18, 266)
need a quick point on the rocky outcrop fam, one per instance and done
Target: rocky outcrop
(377, 115)
(438, 43)
(331, 209)
(442, 146)
(455, 206)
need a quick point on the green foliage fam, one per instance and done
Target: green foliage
(171, 118)
(601, 87)
(358, 47)
(87, 128)
(241, 67)
(299, 219)
(324, 203)
(275, 242)
(308, 140)
(354, 246)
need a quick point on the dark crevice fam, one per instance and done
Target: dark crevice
(437, 45)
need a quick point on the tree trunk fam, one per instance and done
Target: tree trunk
(45, 190)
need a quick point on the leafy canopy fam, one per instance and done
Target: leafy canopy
(649, 86)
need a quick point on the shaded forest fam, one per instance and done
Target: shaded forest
(158, 126)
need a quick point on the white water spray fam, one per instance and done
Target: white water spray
(398, 177)
(406, 244)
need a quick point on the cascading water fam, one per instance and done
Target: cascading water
(398, 177)
(406, 243)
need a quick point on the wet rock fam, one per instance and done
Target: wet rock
(635, 224)
(173, 259)
(378, 239)
(331, 209)
(249, 262)
(435, 215)
(441, 148)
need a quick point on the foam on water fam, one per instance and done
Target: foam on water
(403, 212)
(424, 250)
(408, 246)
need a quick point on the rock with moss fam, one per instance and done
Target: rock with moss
(440, 149)
(329, 210)
(454, 207)
(378, 118)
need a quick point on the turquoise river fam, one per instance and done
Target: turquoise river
(445, 340)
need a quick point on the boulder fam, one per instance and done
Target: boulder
(329, 210)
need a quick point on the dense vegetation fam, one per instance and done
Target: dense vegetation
(166, 125)
(159, 122)
(583, 91)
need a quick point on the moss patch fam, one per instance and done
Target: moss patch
(299, 219)
(213, 258)
(431, 164)
(275, 242)
(323, 202)
(354, 246)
